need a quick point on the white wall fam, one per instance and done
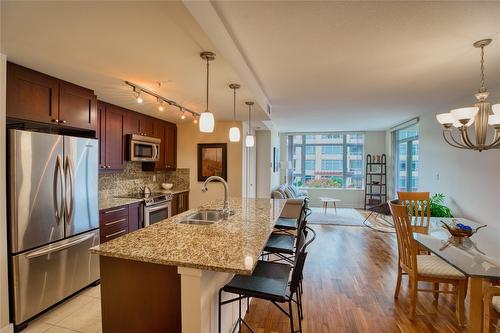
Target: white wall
(353, 198)
(188, 137)
(4, 284)
(266, 178)
(469, 179)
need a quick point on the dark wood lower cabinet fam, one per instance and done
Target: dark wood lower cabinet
(180, 203)
(135, 216)
(113, 223)
(127, 285)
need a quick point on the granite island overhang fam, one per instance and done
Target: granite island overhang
(166, 277)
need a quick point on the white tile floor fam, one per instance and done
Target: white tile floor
(81, 313)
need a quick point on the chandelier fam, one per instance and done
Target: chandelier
(482, 114)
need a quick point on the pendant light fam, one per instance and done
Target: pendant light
(249, 140)
(234, 132)
(207, 122)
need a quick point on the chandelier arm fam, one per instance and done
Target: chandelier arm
(455, 143)
(465, 137)
(496, 141)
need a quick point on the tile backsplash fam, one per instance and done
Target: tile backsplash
(132, 178)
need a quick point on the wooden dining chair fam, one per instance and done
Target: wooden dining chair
(419, 208)
(426, 268)
(491, 309)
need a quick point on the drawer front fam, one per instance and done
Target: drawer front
(119, 222)
(114, 231)
(112, 214)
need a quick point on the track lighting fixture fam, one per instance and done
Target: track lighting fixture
(161, 106)
(137, 94)
(161, 100)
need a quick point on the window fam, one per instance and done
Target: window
(333, 160)
(331, 150)
(310, 150)
(406, 166)
(310, 164)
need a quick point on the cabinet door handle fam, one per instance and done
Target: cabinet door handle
(114, 210)
(114, 222)
(63, 121)
(55, 120)
(116, 233)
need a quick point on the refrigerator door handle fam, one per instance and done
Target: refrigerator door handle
(70, 203)
(58, 247)
(58, 172)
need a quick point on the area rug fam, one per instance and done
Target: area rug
(343, 216)
(378, 222)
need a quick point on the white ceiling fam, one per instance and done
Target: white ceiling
(363, 65)
(100, 44)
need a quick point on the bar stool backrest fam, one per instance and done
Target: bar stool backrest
(297, 270)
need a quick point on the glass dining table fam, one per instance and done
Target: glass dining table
(478, 257)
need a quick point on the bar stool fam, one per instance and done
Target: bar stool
(290, 224)
(269, 281)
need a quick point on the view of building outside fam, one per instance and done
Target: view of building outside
(333, 160)
(407, 159)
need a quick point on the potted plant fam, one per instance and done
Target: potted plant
(438, 208)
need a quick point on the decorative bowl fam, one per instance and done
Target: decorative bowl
(460, 230)
(167, 186)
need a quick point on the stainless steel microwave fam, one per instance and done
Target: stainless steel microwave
(144, 148)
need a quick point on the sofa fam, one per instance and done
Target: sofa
(295, 198)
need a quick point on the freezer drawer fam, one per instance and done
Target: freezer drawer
(46, 275)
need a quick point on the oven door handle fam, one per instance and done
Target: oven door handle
(156, 208)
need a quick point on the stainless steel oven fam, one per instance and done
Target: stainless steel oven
(144, 148)
(157, 212)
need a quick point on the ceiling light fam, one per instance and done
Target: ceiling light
(207, 122)
(161, 106)
(195, 119)
(480, 115)
(138, 97)
(234, 132)
(249, 140)
(183, 114)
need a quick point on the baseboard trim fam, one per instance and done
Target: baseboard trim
(7, 329)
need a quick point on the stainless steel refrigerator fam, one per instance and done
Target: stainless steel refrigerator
(53, 218)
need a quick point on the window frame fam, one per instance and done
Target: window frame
(409, 161)
(346, 171)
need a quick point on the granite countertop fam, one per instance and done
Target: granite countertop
(232, 246)
(106, 202)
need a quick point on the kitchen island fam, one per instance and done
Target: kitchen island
(166, 277)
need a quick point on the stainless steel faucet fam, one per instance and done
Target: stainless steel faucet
(225, 210)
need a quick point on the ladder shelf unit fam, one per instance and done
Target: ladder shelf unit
(375, 181)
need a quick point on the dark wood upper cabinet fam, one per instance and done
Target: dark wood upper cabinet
(160, 131)
(132, 123)
(32, 95)
(147, 126)
(170, 144)
(77, 106)
(111, 136)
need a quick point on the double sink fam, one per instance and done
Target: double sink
(204, 217)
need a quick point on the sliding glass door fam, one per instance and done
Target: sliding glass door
(406, 166)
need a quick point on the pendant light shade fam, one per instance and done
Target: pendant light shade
(249, 140)
(234, 132)
(207, 122)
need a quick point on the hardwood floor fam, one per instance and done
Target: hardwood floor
(349, 281)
